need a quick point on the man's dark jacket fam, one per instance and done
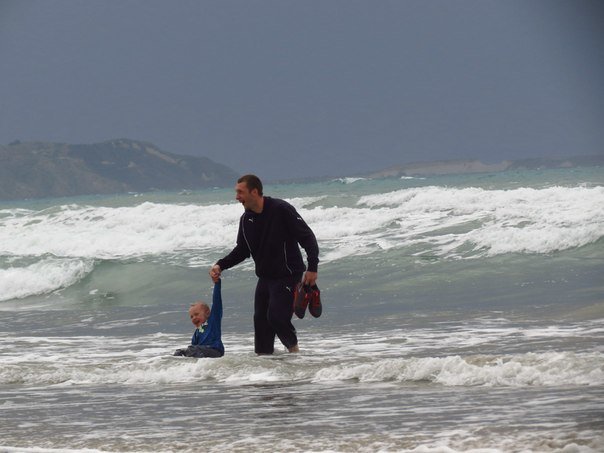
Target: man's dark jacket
(271, 238)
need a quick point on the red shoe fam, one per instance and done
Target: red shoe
(301, 299)
(314, 306)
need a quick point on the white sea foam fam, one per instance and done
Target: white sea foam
(108, 233)
(532, 369)
(42, 277)
(349, 180)
(497, 221)
(102, 360)
(412, 177)
(446, 222)
(449, 222)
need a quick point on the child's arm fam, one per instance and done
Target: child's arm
(217, 299)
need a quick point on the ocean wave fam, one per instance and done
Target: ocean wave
(108, 360)
(439, 221)
(122, 232)
(42, 277)
(495, 222)
(349, 180)
(531, 369)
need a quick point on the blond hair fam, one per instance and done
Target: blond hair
(202, 305)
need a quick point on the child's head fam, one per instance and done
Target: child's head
(199, 313)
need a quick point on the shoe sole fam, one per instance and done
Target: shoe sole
(301, 299)
(314, 307)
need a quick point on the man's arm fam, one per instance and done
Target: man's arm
(237, 255)
(307, 239)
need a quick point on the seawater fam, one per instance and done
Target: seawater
(461, 313)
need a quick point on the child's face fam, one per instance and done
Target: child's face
(198, 314)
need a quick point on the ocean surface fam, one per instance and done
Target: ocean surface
(460, 314)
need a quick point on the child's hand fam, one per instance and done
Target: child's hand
(215, 272)
(215, 278)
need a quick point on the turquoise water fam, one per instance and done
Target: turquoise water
(461, 313)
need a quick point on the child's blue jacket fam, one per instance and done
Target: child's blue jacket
(210, 332)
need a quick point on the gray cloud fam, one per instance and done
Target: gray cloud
(303, 88)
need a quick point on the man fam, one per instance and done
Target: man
(270, 230)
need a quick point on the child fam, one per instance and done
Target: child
(206, 341)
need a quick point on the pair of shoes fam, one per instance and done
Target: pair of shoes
(307, 296)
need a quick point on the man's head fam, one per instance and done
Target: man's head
(248, 192)
(252, 182)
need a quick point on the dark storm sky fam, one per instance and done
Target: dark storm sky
(300, 88)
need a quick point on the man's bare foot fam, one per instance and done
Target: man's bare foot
(294, 349)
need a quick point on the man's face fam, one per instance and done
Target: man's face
(249, 199)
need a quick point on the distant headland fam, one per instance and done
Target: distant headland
(447, 167)
(41, 169)
(48, 170)
(452, 167)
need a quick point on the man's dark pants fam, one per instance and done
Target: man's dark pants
(273, 310)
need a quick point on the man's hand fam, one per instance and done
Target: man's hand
(310, 278)
(215, 272)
